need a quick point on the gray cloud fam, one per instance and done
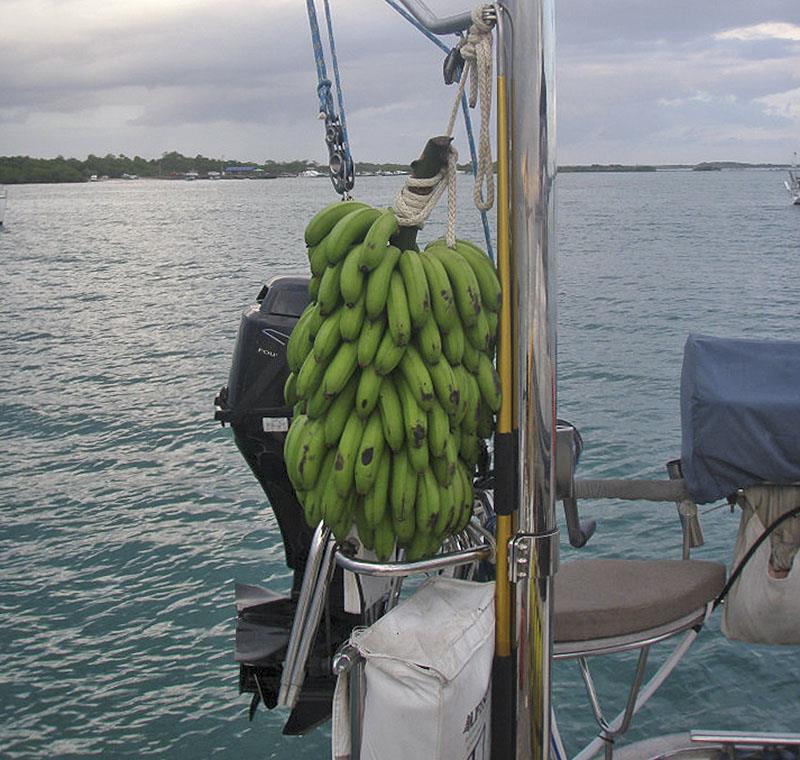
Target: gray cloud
(637, 82)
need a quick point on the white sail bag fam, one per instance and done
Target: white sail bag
(427, 677)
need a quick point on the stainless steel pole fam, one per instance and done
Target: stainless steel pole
(534, 549)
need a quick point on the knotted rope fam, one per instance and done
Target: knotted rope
(413, 209)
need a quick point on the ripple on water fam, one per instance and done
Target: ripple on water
(127, 513)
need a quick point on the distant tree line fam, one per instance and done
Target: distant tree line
(24, 169)
(19, 169)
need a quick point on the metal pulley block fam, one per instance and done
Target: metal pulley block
(340, 164)
(453, 66)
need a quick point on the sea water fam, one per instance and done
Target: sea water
(127, 513)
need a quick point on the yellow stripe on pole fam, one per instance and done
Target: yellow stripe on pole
(505, 345)
(503, 643)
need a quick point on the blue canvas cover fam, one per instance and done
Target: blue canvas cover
(740, 414)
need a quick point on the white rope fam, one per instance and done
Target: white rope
(413, 209)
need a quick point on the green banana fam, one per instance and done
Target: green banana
(446, 509)
(351, 278)
(310, 376)
(415, 421)
(470, 449)
(377, 238)
(346, 453)
(339, 411)
(429, 342)
(312, 503)
(391, 413)
(348, 231)
(450, 458)
(492, 320)
(378, 282)
(329, 337)
(315, 320)
(323, 221)
(473, 399)
(330, 294)
(290, 397)
(470, 357)
(317, 260)
(418, 548)
(438, 429)
(310, 453)
(317, 403)
(376, 501)
(402, 493)
(416, 285)
(419, 458)
(479, 334)
(397, 311)
(342, 527)
(313, 287)
(440, 470)
(291, 446)
(299, 408)
(417, 376)
(489, 383)
(369, 339)
(299, 344)
(333, 508)
(453, 344)
(462, 383)
(442, 303)
(388, 355)
(370, 453)
(428, 506)
(352, 319)
(485, 274)
(444, 383)
(340, 369)
(467, 495)
(365, 532)
(369, 386)
(384, 539)
(485, 421)
(458, 500)
(466, 292)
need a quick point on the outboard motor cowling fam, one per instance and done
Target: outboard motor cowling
(253, 405)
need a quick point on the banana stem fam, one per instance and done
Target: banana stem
(433, 159)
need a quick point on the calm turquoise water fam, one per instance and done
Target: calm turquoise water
(127, 513)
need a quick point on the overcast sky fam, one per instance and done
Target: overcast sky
(638, 80)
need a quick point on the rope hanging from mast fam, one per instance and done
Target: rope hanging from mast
(476, 51)
(340, 161)
(452, 72)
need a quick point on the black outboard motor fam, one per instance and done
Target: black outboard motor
(253, 404)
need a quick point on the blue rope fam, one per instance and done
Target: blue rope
(339, 95)
(324, 86)
(464, 109)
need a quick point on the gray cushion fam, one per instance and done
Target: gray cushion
(604, 598)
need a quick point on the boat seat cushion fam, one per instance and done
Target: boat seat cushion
(605, 598)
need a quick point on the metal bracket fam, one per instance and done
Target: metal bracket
(533, 555)
(435, 24)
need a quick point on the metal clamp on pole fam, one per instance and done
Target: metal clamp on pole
(533, 556)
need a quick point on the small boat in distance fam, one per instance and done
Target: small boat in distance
(793, 183)
(2, 204)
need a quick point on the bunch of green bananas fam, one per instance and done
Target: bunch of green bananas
(392, 382)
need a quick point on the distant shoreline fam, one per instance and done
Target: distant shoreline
(175, 166)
